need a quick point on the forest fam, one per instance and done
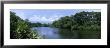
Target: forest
(82, 21)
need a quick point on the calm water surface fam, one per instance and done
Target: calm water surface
(55, 33)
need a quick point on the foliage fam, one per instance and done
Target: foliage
(86, 24)
(20, 29)
(80, 21)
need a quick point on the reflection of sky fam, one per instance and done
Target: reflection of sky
(47, 15)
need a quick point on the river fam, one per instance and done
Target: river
(55, 33)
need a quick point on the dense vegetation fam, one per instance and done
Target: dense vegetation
(20, 29)
(86, 24)
(80, 21)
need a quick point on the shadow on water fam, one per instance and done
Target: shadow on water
(89, 34)
(68, 34)
(79, 34)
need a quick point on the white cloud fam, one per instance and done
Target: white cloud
(37, 18)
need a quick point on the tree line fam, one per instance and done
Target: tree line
(37, 24)
(80, 21)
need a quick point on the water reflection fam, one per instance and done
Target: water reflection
(68, 34)
(47, 32)
(55, 33)
(89, 34)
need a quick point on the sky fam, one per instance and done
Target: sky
(47, 15)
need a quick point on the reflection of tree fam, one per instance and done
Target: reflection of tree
(89, 34)
(79, 34)
(67, 33)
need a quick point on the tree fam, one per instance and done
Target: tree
(19, 28)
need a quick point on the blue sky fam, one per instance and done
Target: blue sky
(47, 15)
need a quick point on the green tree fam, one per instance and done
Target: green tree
(19, 29)
(81, 21)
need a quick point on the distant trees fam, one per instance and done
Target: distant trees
(39, 24)
(19, 29)
(35, 24)
(80, 21)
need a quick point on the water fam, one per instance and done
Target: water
(55, 33)
(47, 32)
